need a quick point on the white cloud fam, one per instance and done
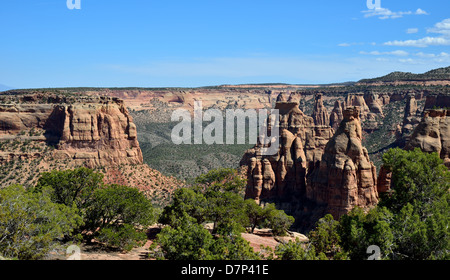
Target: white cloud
(421, 12)
(383, 13)
(408, 60)
(432, 55)
(442, 27)
(412, 30)
(395, 53)
(425, 55)
(420, 43)
(350, 44)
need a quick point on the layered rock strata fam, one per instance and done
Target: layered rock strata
(333, 172)
(345, 177)
(410, 119)
(337, 114)
(320, 113)
(284, 174)
(90, 131)
(432, 135)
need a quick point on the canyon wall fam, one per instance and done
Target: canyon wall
(314, 163)
(90, 131)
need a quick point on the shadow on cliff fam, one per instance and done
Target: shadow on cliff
(54, 126)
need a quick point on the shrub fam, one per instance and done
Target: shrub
(325, 238)
(123, 237)
(31, 224)
(71, 186)
(420, 203)
(188, 241)
(296, 251)
(278, 220)
(115, 204)
(108, 211)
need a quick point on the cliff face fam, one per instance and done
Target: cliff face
(320, 113)
(337, 114)
(433, 134)
(45, 132)
(93, 131)
(345, 177)
(98, 134)
(437, 100)
(315, 171)
(410, 119)
(301, 145)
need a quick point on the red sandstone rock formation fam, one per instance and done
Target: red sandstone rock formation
(301, 145)
(90, 131)
(357, 100)
(433, 134)
(384, 181)
(337, 115)
(333, 172)
(345, 177)
(374, 104)
(320, 113)
(410, 119)
(437, 100)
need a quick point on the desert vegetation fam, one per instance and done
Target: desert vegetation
(205, 220)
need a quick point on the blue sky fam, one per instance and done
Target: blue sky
(155, 43)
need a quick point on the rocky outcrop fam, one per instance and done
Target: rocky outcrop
(281, 97)
(90, 131)
(433, 134)
(384, 181)
(337, 115)
(410, 119)
(345, 177)
(371, 108)
(284, 174)
(357, 100)
(374, 104)
(332, 172)
(434, 101)
(411, 106)
(320, 113)
(42, 132)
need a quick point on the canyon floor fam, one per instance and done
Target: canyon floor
(95, 251)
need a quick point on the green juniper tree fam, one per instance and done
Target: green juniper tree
(31, 224)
